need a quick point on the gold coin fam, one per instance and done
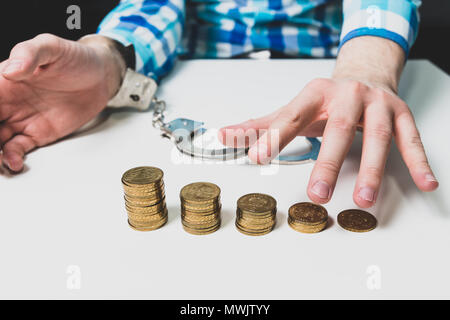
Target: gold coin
(254, 220)
(308, 213)
(144, 192)
(356, 220)
(148, 226)
(255, 227)
(305, 228)
(256, 216)
(195, 220)
(200, 192)
(201, 227)
(251, 232)
(142, 176)
(146, 219)
(257, 203)
(143, 202)
(146, 211)
(201, 231)
(201, 208)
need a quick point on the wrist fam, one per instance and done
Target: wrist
(114, 66)
(371, 60)
(371, 79)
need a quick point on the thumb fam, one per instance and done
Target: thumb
(246, 133)
(27, 56)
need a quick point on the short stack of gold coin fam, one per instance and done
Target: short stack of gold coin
(145, 198)
(307, 217)
(200, 208)
(256, 214)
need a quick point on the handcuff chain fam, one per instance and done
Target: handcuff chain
(158, 113)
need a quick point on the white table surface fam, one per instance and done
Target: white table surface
(67, 208)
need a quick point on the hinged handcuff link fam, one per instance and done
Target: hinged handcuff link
(182, 132)
(138, 91)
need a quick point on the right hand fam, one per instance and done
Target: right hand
(50, 87)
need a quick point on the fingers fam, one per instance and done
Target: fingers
(27, 56)
(377, 136)
(288, 122)
(413, 153)
(14, 151)
(337, 139)
(246, 133)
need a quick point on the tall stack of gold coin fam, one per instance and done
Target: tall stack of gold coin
(256, 214)
(307, 217)
(200, 208)
(145, 198)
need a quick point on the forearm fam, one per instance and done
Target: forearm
(371, 60)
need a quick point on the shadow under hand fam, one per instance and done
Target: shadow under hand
(397, 186)
(6, 173)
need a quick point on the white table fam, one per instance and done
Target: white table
(63, 219)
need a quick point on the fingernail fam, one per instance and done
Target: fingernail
(430, 177)
(367, 194)
(321, 189)
(6, 164)
(13, 66)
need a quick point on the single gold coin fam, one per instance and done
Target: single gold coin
(142, 176)
(356, 220)
(200, 192)
(257, 203)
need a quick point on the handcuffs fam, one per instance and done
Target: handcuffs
(138, 91)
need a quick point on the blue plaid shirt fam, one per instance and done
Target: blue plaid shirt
(162, 30)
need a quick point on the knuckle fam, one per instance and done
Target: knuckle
(318, 83)
(421, 165)
(381, 95)
(46, 38)
(403, 107)
(381, 131)
(416, 142)
(251, 123)
(354, 87)
(289, 116)
(328, 166)
(374, 173)
(22, 48)
(342, 124)
(403, 112)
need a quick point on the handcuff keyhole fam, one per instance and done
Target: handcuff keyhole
(135, 97)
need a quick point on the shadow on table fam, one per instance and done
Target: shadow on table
(104, 121)
(425, 77)
(6, 173)
(227, 215)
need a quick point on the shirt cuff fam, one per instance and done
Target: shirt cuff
(394, 20)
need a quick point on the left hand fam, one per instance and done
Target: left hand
(334, 109)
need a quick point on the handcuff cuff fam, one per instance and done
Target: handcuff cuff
(139, 92)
